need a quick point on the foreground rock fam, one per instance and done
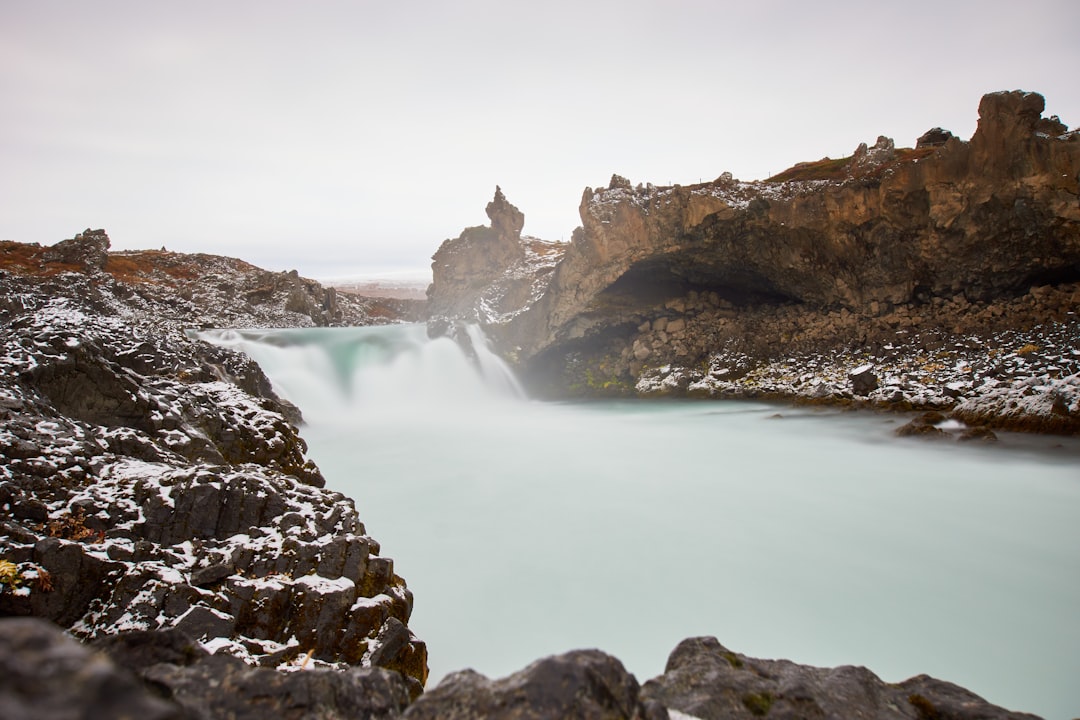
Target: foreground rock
(167, 676)
(152, 481)
(951, 269)
(164, 674)
(579, 684)
(47, 676)
(705, 680)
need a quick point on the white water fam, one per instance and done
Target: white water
(528, 528)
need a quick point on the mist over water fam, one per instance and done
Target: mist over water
(527, 528)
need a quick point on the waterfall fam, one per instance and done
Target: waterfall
(381, 370)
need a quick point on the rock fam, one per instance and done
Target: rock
(212, 574)
(984, 434)
(488, 270)
(89, 251)
(137, 650)
(76, 578)
(223, 687)
(934, 137)
(866, 159)
(924, 425)
(863, 380)
(578, 684)
(46, 675)
(1051, 126)
(703, 679)
(506, 220)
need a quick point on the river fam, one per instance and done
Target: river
(526, 528)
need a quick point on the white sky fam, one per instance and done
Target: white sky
(353, 137)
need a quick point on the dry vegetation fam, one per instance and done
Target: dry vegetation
(840, 169)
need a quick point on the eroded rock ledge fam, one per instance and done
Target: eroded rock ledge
(949, 272)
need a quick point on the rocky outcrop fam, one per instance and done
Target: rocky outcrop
(578, 684)
(489, 274)
(705, 680)
(890, 248)
(166, 675)
(48, 676)
(151, 481)
(88, 251)
(202, 289)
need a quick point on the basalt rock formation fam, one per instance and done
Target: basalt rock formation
(151, 481)
(891, 252)
(47, 675)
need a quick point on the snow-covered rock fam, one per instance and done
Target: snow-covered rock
(151, 481)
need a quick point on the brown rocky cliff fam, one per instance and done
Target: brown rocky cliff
(461, 268)
(489, 273)
(983, 218)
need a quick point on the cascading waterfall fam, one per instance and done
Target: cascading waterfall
(383, 370)
(527, 528)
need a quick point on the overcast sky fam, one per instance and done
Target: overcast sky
(353, 137)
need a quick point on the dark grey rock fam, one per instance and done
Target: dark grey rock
(934, 137)
(863, 380)
(211, 574)
(45, 675)
(224, 687)
(704, 679)
(578, 684)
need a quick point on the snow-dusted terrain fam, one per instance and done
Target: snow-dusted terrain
(151, 481)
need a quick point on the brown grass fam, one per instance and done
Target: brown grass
(840, 168)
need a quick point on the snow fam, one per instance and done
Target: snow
(323, 585)
(676, 715)
(736, 194)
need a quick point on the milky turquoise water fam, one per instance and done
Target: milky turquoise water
(527, 528)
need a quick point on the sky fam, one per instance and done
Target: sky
(350, 138)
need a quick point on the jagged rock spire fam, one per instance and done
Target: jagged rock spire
(506, 220)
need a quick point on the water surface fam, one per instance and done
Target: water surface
(527, 528)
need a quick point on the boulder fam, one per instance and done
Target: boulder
(863, 380)
(220, 686)
(224, 687)
(579, 684)
(46, 675)
(705, 680)
(934, 137)
(89, 251)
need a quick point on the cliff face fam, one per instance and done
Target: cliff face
(826, 255)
